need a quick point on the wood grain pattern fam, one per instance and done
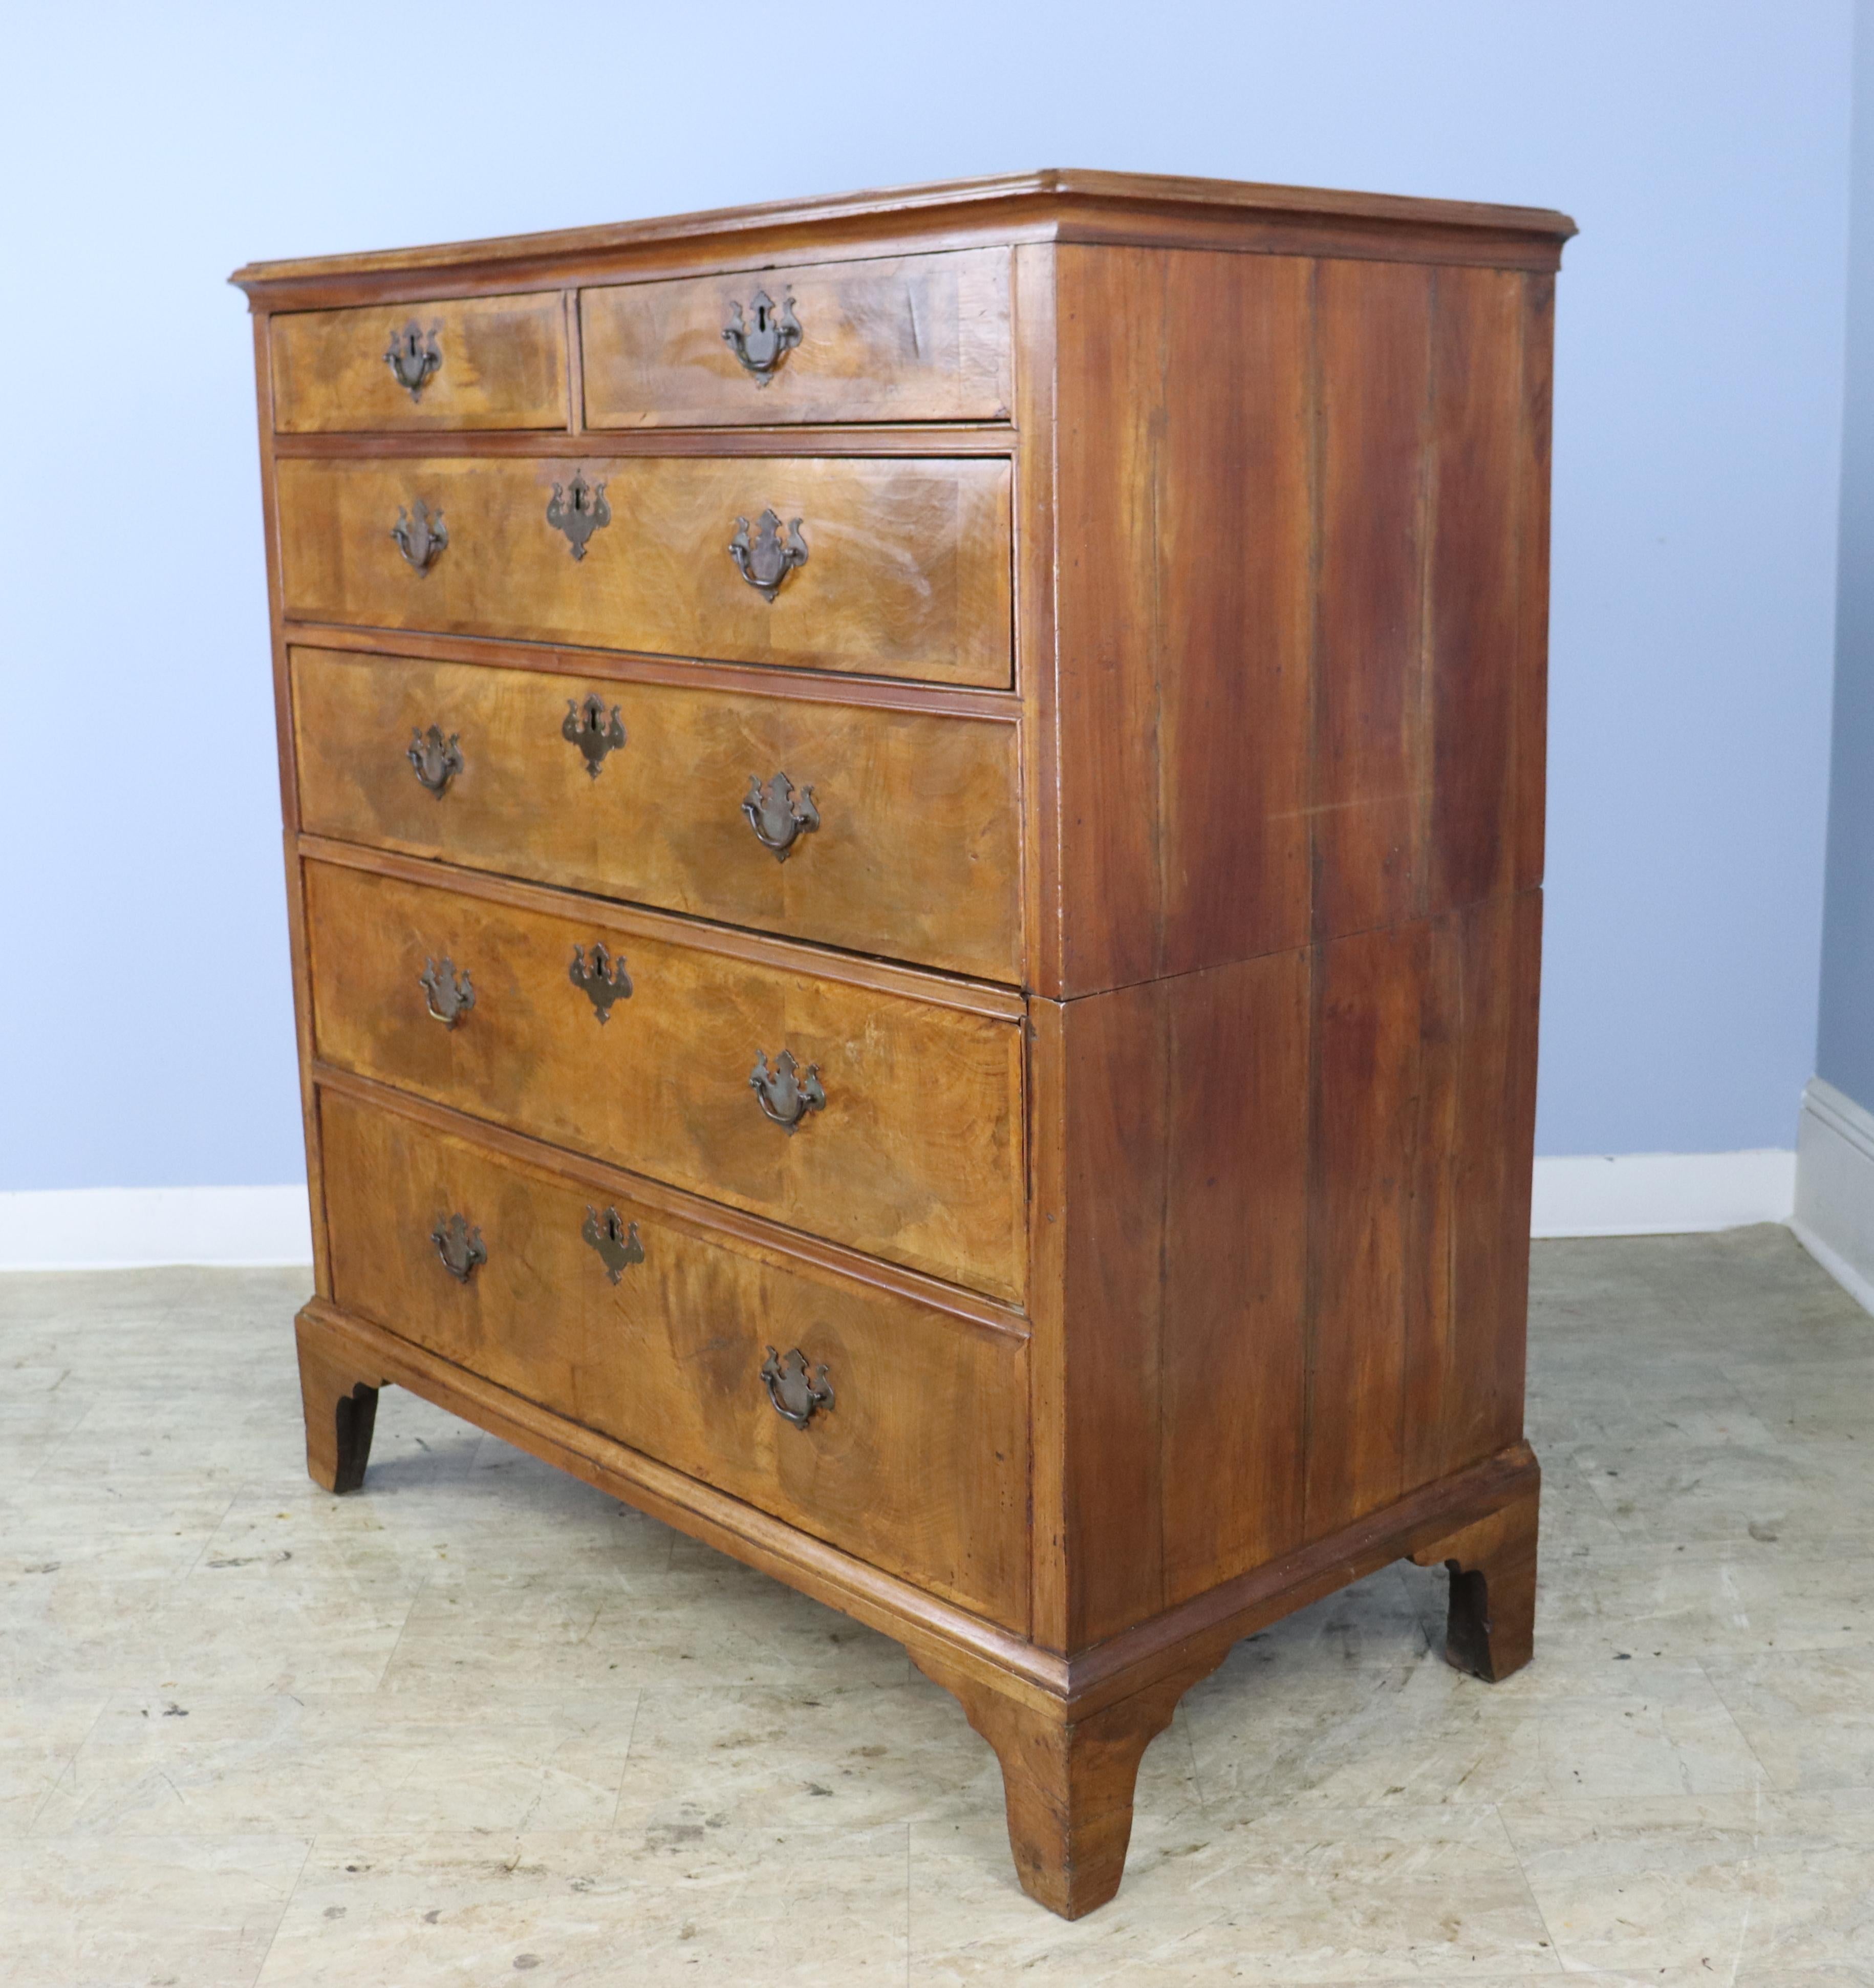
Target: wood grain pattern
(907, 573)
(503, 365)
(1477, 401)
(913, 338)
(1233, 1359)
(1372, 788)
(1177, 712)
(916, 853)
(668, 1360)
(916, 1157)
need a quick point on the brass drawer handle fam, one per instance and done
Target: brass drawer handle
(794, 1392)
(617, 1245)
(777, 817)
(767, 560)
(586, 726)
(783, 1094)
(413, 358)
(578, 510)
(460, 1247)
(449, 994)
(761, 346)
(437, 759)
(601, 979)
(421, 535)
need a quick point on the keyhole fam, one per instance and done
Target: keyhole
(760, 317)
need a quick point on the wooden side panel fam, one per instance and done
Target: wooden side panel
(1539, 329)
(904, 338)
(1476, 624)
(916, 855)
(1366, 1249)
(1177, 703)
(916, 1155)
(1102, 702)
(1114, 1070)
(1465, 1354)
(502, 364)
(1235, 1270)
(907, 573)
(1372, 801)
(920, 1464)
(1233, 608)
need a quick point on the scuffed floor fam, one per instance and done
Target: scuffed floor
(479, 1721)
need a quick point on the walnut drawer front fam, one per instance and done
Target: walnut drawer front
(915, 1153)
(919, 1463)
(909, 338)
(907, 572)
(465, 362)
(912, 852)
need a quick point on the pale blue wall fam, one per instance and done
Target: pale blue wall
(144, 1020)
(1845, 1049)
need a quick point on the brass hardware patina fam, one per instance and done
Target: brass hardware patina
(603, 979)
(617, 1245)
(413, 357)
(767, 560)
(437, 759)
(460, 1247)
(783, 1094)
(578, 510)
(449, 994)
(761, 346)
(795, 1390)
(778, 818)
(420, 535)
(586, 726)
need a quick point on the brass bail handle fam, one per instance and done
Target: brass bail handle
(796, 1389)
(784, 1094)
(413, 356)
(765, 337)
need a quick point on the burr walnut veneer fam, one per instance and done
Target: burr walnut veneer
(915, 828)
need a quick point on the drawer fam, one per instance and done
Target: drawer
(920, 1462)
(907, 572)
(915, 1153)
(914, 854)
(911, 338)
(466, 363)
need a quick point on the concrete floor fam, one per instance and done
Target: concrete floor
(478, 1719)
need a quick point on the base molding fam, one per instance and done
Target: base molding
(1069, 1732)
(1834, 1217)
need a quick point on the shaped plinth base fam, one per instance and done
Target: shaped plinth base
(1068, 1784)
(1491, 1629)
(341, 1410)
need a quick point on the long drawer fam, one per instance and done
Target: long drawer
(905, 1440)
(905, 571)
(461, 363)
(901, 338)
(890, 832)
(631, 1038)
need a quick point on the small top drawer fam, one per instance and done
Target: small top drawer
(913, 338)
(464, 362)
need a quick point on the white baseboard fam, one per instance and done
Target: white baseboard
(137, 1228)
(1834, 1187)
(1626, 1194)
(1661, 1194)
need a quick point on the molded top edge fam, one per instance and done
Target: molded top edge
(1220, 199)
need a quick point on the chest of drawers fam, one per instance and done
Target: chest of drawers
(914, 834)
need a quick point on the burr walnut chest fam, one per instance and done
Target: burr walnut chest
(914, 827)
